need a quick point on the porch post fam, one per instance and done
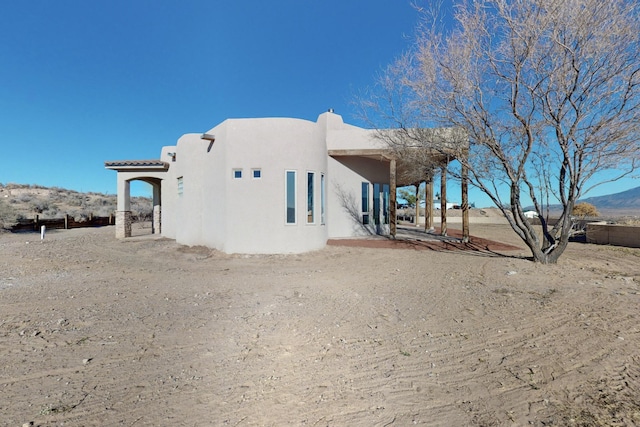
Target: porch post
(428, 202)
(443, 201)
(156, 226)
(416, 219)
(123, 213)
(392, 196)
(465, 204)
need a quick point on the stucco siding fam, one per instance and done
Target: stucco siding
(221, 204)
(353, 139)
(168, 197)
(345, 194)
(256, 206)
(198, 221)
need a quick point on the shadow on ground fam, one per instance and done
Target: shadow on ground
(410, 238)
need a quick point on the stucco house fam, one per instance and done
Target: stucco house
(267, 185)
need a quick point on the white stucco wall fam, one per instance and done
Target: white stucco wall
(198, 214)
(248, 215)
(168, 196)
(256, 208)
(345, 194)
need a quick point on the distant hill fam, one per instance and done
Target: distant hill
(19, 201)
(625, 201)
(624, 204)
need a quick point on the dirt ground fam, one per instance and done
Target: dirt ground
(96, 331)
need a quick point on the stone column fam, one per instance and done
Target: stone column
(156, 226)
(123, 224)
(123, 214)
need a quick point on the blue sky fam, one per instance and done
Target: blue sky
(85, 82)
(88, 81)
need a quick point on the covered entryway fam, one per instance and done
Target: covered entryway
(149, 171)
(396, 172)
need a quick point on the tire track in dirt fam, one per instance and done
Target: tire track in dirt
(343, 336)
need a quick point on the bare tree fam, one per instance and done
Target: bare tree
(546, 91)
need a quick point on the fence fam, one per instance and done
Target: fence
(62, 223)
(613, 234)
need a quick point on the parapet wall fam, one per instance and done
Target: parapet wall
(602, 233)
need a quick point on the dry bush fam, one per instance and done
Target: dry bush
(8, 215)
(629, 221)
(56, 202)
(585, 209)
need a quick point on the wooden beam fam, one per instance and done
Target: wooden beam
(364, 152)
(465, 204)
(443, 201)
(416, 217)
(428, 202)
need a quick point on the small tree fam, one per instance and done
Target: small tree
(546, 93)
(585, 209)
(409, 194)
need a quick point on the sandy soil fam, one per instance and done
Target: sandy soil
(145, 332)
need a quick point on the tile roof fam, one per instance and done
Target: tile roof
(142, 164)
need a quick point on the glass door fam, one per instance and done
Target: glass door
(381, 208)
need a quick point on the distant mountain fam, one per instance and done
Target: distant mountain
(627, 201)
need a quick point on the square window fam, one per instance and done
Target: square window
(237, 173)
(257, 173)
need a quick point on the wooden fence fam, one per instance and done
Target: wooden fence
(61, 223)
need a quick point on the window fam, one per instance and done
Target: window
(385, 203)
(257, 173)
(376, 204)
(365, 203)
(290, 192)
(237, 173)
(380, 204)
(322, 199)
(310, 179)
(180, 186)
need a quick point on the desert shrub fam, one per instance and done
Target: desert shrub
(52, 212)
(8, 215)
(75, 199)
(585, 209)
(629, 221)
(40, 206)
(24, 198)
(141, 209)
